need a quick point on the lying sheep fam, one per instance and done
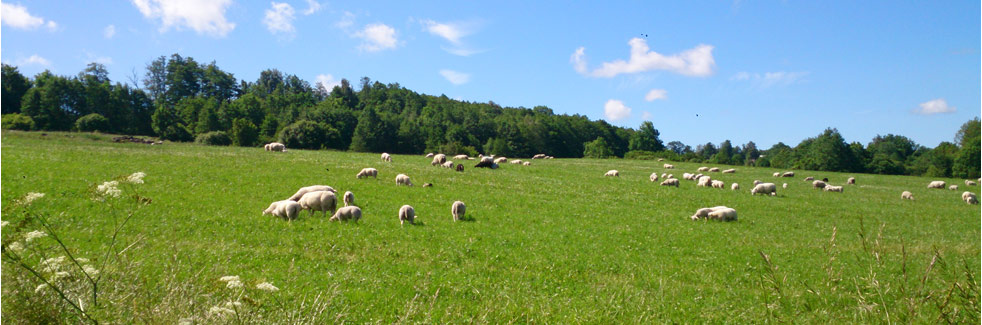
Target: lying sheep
(407, 213)
(457, 209)
(788, 174)
(729, 171)
(936, 184)
(969, 183)
(367, 172)
(777, 174)
(953, 187)
(704, 181)
(819, 184)
(438, 159)
(613, 173)
(429, 155)
(312, 188)
(402, 179)
(718, 184)
(970, 198)
(461, 157)
(349, 198)
(724, 214)
(653, 177)
(386, 157)
(735, 186)
(702, 169)
(526, 163)
(688, 176)
(539, 156)
(764, 188)
(809, 178)
(668, 166)
(670, 182)
(707, 213)
(275, 146)
(448, 164)
(319, 201)
(352, 213)
(757, 182)
(500, 160)
(851, 181)
(714, 170)
(907, 195)
(285, 209)
(516, 161)
(833, 188)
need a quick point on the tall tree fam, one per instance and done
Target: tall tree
(15, 85)
(646, 138)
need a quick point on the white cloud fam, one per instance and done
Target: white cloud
(327, 81)
(377, 37)
(461, 51)
(646, 116)
(35, 60)
(769, 79)
(312, 7)
(346, 21)
(279, 18)
(937, 106)
(615, 110)
(656, 94)
(16, 16)
(452, 32)
(697, 61)
(109, 31)
(204, 17)
(454, 77)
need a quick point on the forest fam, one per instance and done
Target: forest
(181, 99)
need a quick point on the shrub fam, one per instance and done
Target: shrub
(214, 138)
(244, 133)
(303, 134)
(597, 149)
(17, 122)
(641, 155)
(92, 123)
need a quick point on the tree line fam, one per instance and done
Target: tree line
(181, 99)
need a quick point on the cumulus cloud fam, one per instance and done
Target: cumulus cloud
(454, 77)
(616, 110)
(204, 17)
(312, 7)
(937, 106)
(327, 82)
(697, 61)
(16, 16)
(769, 79)
(109, 31)
(655, 94)
(279, 18)
(377, 37)
(35, 60)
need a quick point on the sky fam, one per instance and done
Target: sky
(701, 71)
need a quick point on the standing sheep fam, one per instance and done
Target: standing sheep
(458, 209)
(832, 188)
(402, 179)
(953, 187)
(349, 198)
(347, 213)
(319, 201)
(448, 164)
(367, 172)
(969, 183)
(285, 209)
(764, 188)
(704, 181)
(718, 184)
(527, 163)
(970, 198)
(723, 214)
(613, 173)
(670, 182)
(386, 157)
(312, 188)
(275, 146)
(653, 177)
(936, 184)
(407, 214)
(735, 186)
(777, 174)
(851, 181)
(668, 166)
(907, 195)
(702, 169)
(438, 159)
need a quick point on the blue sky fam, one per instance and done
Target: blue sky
(700, 71)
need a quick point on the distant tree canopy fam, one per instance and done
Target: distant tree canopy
(183, 99)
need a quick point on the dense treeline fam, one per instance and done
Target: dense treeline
(184, 100)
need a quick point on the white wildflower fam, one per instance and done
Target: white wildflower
(109, 189)
(40, 287)
(136, 178)
(266, 286)
(228, 278)
(34, 235)
(234, 284)
(221, 311)
(82, 260)
(186, 321)
(91, 271)
(15, 246)
(233, 304)
(59, 275)
(52, 264)
(30, 197)
(4, 223)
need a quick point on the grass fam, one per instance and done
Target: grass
(554, 242)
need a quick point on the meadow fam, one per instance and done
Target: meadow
(554, 242)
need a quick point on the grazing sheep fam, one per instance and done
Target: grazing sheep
(906, 195)
(653, 177)
(819, 184)
(386, 157)
(764, 188)
(285, 209)
(613, 173)
(969, 183)
(460, 167)
(702, 169)
(462, 157)
(402, 179)
(785, 185)
(319, 201)
(407, 213)
(352, 213)
(833, 188)
(714, 170)
(516, 161)
(448, 164)
(429, 155)
(701, 214)
(687, 176)
(526, 163)
(696, 177)
(275, 146)
(704, 181)
(438, 159)
(668, 166)
(970, 198)
(500, 160)
(670, 182)
(427, 184)
(349, 198)
(670, 176)
(777, 174)
(457, 209)
(718, 184)
(312, 188)
(936, 184)
(367, 172)
(539, 156)
(729, 171)
(953, 187)
(724, 214)
(788, 174)
(663, 175)
(735, 186)
(757, 182)
(851, 181)
(809, 178)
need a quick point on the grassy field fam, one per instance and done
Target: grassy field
(554, 242)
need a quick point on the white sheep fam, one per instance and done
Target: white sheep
(819, 184)
(718, 184)
(429, 155)
(527, 163)
(936, 184)
(764, 188)
(319, 201)
(809, 178)
(285, 209)
(448, 164)
(670, 176)
(653, 177)
(438, 159)
(953, 187)
(613, 173)
(851, 181)
(703, 169)
(704, 212)
(500, 160)
(907, 195)
(539, 156)
(788, 174)
(969, 183)
(275, 146)
(688, 176)
(832, 188)
(312, 188)
(696, 177)
(462, 157)
(349, 198)
(407, 214)
(516, 161)
(785, 185)
(663, 175)
(367, 172)
(757, 182)
(704, 181)
(714, 170)
(457, 209)
(352, 213)
(402, 179)
(777, 174)
(386, 157)
(970, 198)
(724, 214)
(670, 182)
(668, 166)
(735, 186)
(661, 159)
(729, 171)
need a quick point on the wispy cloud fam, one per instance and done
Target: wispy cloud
(312, 7)
(17, 16)
(937, 106)
(615, 110)
(377, 37)
(279, 19)
(770, 79)
(697, 61)
(346, 21)
(35, 60)
(204, 17)
(109, 31)
(656, 94)
(454, 77)
(453, 32)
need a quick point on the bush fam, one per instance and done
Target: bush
(92, 123)
(214, 138)
(641, 155)
(597, 149)
(244, 133)
(304, 135)
(17, 122)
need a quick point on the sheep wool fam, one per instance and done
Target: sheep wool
(352, 213)
(936, 184)
(458, 209)
(407, 214)
(312, 188)
(367, 172)
(402, 179)
(670, 182)
(764, 188)
(735, 186)
(386, 157)
(907, 195)
(285, 209)
(653, 177)
(613, 173)
(349, 198)
(970, 198)
(323, 201)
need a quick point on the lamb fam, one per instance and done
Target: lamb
(703, 169)
(516, 161)
(460, 167)
(785, 185)
(809, 178)
(969, 183)
(729, 171)
(347, 213)
(526, 163)
(349, 198)
(663, 175)
(458, 209)
(953, 187)
(851, 181)
(670, 182)
(718, 184)
(735, 186)
(936, 184)
(704, 181)
(462, 157)
(668, 166)
(429, 155)
(724, 214)
(819, 184)
(714, 170)
(764, 188)
(788, 174)
(312, 188)
(319, 201)
(275, 146)
(402, 179)
(970, 198)
(613, 173)
(407, 213)
(906, 195)
(833, 188)
(285, 209)
(386, 157)
(500, 160)
(653, 177)
(670, 176)
(438, 159)
(448, 164)
(367, 172)
(777, 174)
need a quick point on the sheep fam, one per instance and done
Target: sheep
(367, 172)
(653, 177)
(702, 169)
(832, 188)
(970, 198)
(661, 159)
(788, 174)
(448, 164)
(953, 187)
(663, 175)
(851, 181)
(285, 209)
(402, 179)
(735, 186)
(275, 146)
(785, 185)
(969, 183)
(757, 182)
(777, 174)
(407, 213)
(460, 167)
(714, 170)
(704, 181)
(526, 163)
(386, 157)
(349, 198)
(500, 160)
(704, 212)
(429, 155)
(906, 195)
(696, 177)
(352, 213)
(319, 201)
(729, 171)
(687, 176)
(550, 157)
(764, 188)
(724, 214)
(516, 161)
(936, 184)
(462, 157)
(668, 166)
(670, 182)
(427, 184)
(718, 184)
(670, 176)
(613, 173)
(438, 159)
(819, 184)
(809, 178)
(457, 209)
(312, 188)
(539, 156)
